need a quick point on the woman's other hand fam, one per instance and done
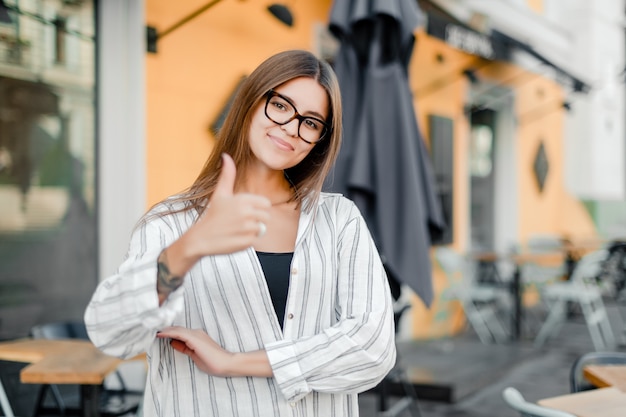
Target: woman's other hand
(211, 358)
(208, 356)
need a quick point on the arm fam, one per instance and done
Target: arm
(359, 350)
(145, 295)
(124, 314)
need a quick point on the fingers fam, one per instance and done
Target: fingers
(253, 207)
(226, 187)
(232, 220)
(226, 182)
(180, 346)
(183, 334)
(174, 332)
(208, 356)
(182, 339)
(241, 212)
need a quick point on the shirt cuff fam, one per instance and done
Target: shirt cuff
(284, 362)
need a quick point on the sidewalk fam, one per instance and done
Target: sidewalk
(461, 377)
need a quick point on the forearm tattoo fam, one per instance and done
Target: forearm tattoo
(166, 282)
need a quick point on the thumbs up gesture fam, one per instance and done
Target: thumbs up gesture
(231, 222)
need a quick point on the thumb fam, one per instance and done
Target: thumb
(226, 181)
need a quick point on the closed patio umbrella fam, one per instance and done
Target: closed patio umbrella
(383, 165)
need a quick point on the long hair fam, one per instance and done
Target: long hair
(308, 176)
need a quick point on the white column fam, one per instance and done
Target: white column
(121, 127)
(594, 142)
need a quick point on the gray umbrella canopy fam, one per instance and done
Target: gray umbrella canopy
(383, 165)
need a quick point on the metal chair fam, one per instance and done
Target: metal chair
(516, 401)
(582, 288)
(577, 379)
(5, 406)
(117, 399)
(482, 304)
(537, 273)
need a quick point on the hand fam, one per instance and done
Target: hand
(231, 221)
(208, 356)
(211, 358)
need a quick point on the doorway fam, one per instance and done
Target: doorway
(482, 174)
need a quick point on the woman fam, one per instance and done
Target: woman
(254, 293)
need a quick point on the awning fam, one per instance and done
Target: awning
(511, 43)
(496, 45)
(467, 39)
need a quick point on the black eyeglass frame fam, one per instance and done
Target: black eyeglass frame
(273, 93)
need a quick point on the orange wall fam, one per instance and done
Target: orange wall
(541, 119)
(195, 70)
(535, 5)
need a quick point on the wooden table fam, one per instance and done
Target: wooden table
(606, 376)
(602, 402)
(63, 362)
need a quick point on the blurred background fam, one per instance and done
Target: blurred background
(108, 106)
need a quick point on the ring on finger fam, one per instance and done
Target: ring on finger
(262, 229)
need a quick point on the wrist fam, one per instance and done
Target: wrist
(172, 264)
(254, 364)
(167, 281)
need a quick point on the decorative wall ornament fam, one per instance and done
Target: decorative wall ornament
(541, 166)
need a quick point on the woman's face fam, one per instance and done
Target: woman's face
(279, 147)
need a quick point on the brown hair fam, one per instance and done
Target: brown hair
(308, 176)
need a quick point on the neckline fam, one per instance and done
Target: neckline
(273, 253)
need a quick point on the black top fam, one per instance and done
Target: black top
(276, 267)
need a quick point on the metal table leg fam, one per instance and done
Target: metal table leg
(90, 400)
(516, 292)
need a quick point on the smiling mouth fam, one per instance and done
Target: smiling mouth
(282, 144)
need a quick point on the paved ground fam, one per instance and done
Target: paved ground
(481, 372)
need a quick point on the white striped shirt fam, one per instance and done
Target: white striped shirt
(338, 335)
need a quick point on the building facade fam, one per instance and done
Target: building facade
(520, 102)
(525, 101)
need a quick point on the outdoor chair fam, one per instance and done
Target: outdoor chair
(117, 398)
(537, 273)
(5, 406)
(482, 304)
(582, 289)
(516, 401)
(577, 379)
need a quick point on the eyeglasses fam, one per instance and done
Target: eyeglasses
(282, 111)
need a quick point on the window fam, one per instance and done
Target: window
(60, 32)
(481, 150)
(48, 252)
